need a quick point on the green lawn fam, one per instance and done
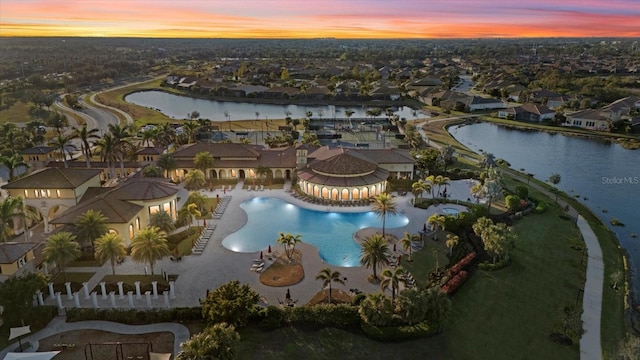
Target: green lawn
(17, 113)
(75, 278)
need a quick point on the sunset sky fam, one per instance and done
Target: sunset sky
(321, 18)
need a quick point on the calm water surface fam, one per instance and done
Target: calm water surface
(605, 176)
(331, 232)
(179, 107)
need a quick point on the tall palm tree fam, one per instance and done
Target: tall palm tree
(382, 205)
(149, 246)
(107, 148)
(289, 243)
(190, 129)
(431, 180)
(327, 276)
(110, 247)
(149, 135)
(90, 226)
(451, 242)
(63, 144)
(420, 187)
(84, 134)
(203, 161)
(488, 160)
(392, 279)
(195, 197)
(122, 138)
(262, 172)
(168, 163)
(193, 211)
(441, 181)
(166, 136)
(12, 163)
(61, 248)
(10, 207)
(407, 241)
(437, 222)
(375, 253)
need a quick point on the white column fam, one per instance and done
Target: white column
(40, 298)
(76, 299)
(172, 292)
(67, 285)
(94, 297)
(166, 298)
(104, 290)
(112, 297)
(85, 288)
(138, 296)
(154, 284)
(52, 293)
(59, 300)
(148, 295)
(120, 290)
(130, 295)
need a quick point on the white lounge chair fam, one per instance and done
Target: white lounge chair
(249, 188)
(261, 187)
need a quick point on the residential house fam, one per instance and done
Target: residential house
(475, 103)
(528, 112)
(17, 259)
(590, 119)
(53, 190)
(127, 206)
(38, 157)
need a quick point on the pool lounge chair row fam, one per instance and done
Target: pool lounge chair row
(329, 202)
(257, 265)
(222, 206)
(203, 239)
(255, 188)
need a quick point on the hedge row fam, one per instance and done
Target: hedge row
(319, 316)
(398, 333)
(497, 266)
(135, 317)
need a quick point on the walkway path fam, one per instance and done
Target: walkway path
(59, 325)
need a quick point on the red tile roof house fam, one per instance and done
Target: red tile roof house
(528, 112)
(53, 190)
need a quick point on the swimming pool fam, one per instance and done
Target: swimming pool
(331, 232)
(450, 211)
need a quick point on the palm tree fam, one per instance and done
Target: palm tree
(90, 226)
(203, 161)
(61, 248)
(166, 135)
(451, 242)
(123, 143)
(289, 242)
(477, 191)
(383, 204)
(393, 278)
(195, 197)
(168, 163)
(441, 181)
(152, 171)
(193, 211)
(327, 276)
(555, 180)
(431, 181)
(149, 246)
(190, 129)
(407, 241)
(375, 253)
(420, 187)
(376, 309)
(412, 305)
(447, 152)
(194, 179)
(263, 172)
(488, 160)
(437, 222)
(9, 208)
(63, 144)
(12, 163)
(163, 221)
(148, 135)
(107, 148)
(84, 134)
(110, 247)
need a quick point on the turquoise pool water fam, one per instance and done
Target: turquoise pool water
(331, 232)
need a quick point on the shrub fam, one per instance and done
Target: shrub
(133, 316)
(540, 208)
(489, 266)
(397, 333)
(522, 191)
(358, 299)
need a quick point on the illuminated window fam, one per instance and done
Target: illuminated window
(48, 193)
(154, 209)
(252, 173)
(138, 223)
(113, 231)
(232, 173)
(131, 234)
(166, 207)
(58, 192)
(26, 193)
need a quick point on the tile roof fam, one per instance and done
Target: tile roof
(343, 163)
(61, 178)
(218, 150)
(12, 251)
(38, 150)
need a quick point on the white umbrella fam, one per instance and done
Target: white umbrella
(47, 355)
(17, 332)
(159, 356)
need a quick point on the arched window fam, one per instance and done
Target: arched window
(334, 194)
(365, 192)
(325, 193)
(355, 194)
(345, 194)
(316, 191)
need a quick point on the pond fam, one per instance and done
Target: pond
(179, 107)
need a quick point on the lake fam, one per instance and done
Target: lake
(179, 107)
(604, 175)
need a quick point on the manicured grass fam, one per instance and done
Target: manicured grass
(424, 260)
(507, 314)
(17, 113)
(298, 343)
(75, 278)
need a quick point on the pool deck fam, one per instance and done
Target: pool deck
(218, 265)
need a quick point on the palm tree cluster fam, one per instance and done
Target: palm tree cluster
(289, 243)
